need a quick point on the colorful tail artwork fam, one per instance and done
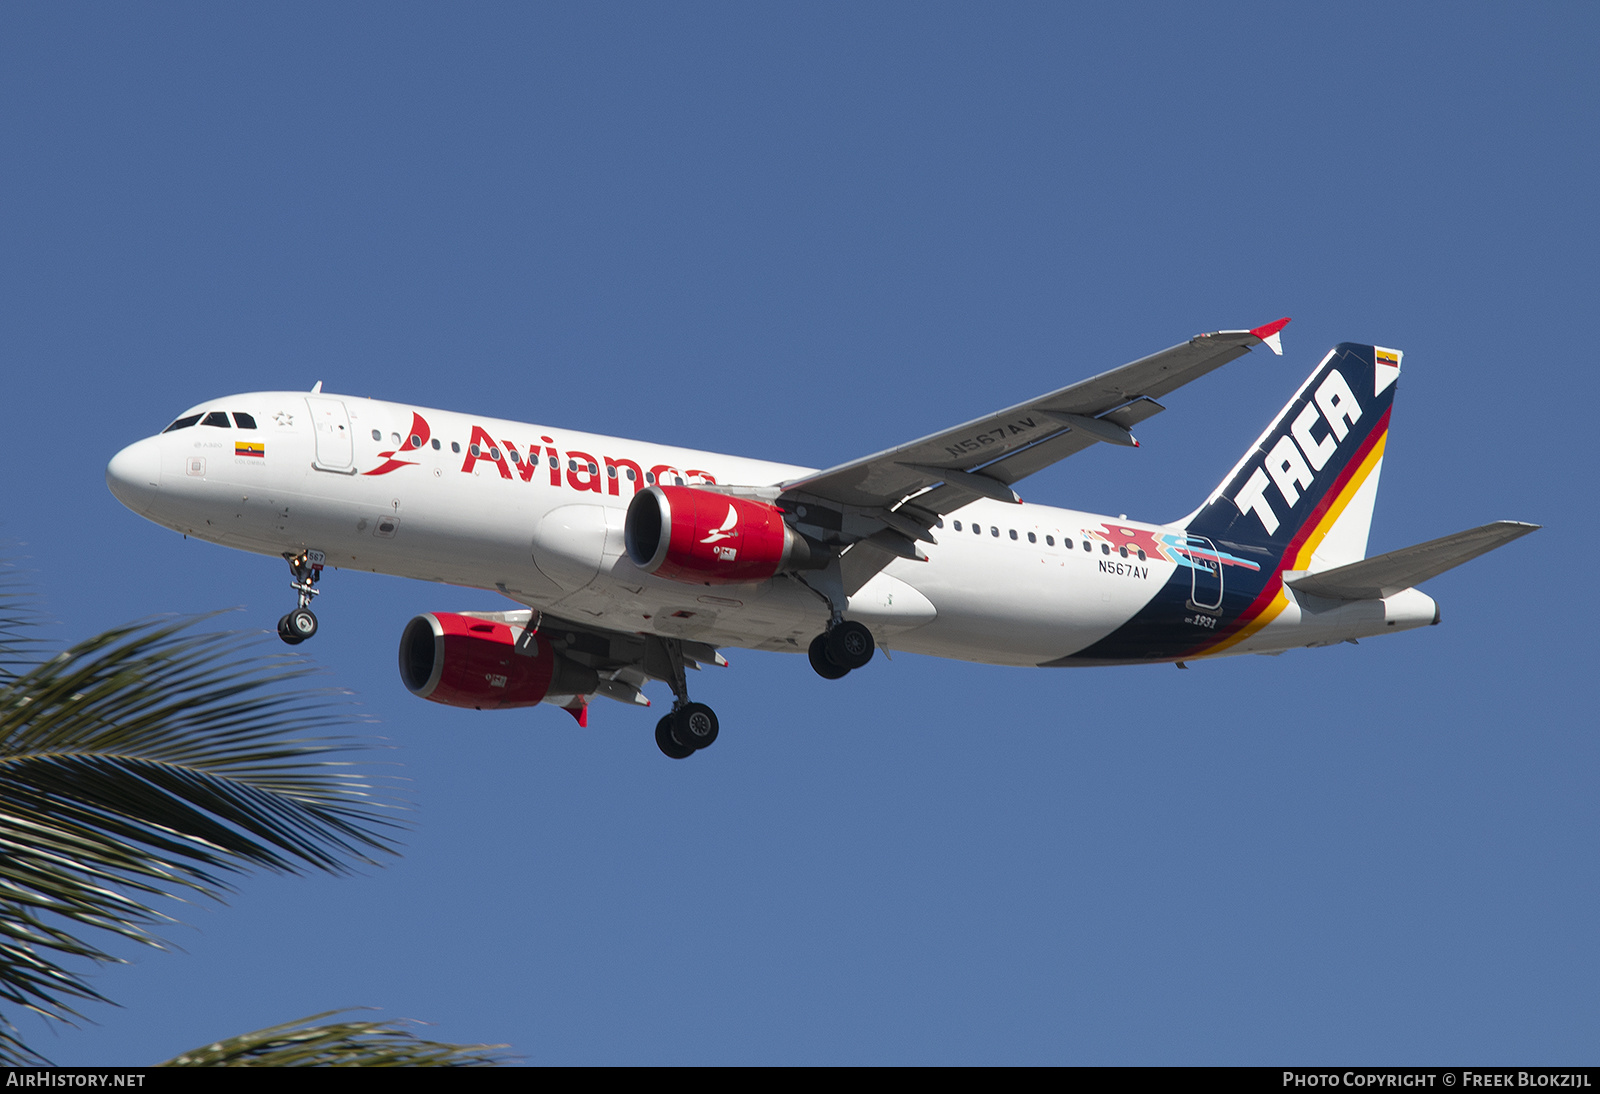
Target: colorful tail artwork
(1300, 499)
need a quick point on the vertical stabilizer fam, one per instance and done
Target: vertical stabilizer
(1303, 494)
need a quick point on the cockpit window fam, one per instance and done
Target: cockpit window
(182, 423)
(243, 421)
(217, 418)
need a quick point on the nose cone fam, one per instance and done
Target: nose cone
(134, 474)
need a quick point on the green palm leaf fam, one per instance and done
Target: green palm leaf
(337, 1044)
(148, 763)
(18, 647)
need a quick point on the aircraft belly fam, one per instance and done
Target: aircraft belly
(1043, 607)
(779, 614)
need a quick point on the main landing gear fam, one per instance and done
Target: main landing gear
(844, 647)
(305, 570)
(686, 730)
(690, 726)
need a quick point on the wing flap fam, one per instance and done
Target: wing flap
(1386, 574)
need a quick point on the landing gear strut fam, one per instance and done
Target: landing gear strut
(305, 570)
(846, 646)
(691, 726)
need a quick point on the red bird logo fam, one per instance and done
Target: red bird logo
(415, 440)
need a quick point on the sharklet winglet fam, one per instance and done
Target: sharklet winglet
(1271, 335)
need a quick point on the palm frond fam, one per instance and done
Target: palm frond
(18, 620)
(151, 762)
(338, 1044)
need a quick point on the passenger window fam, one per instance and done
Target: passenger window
(1123, 551)
(218, 419)
(1105, 548)
(436, 444)
(514, 457)
(1014, 534)
(182, 423)
(377, 435)
(631, 475)
(1141, 554)
(455, 446)
(611, 470)
(243, 421)
(650, 478)
(1032, 538)
(1050, 541)
(957, 523)
(938, 522)
(993, 531)
(1087, 546)
(416, 441)
(977, 529)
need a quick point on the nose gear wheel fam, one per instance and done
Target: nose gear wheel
(305, 570)
(297, 626)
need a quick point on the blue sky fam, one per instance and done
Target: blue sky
(806, 233)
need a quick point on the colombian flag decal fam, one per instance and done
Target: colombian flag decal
(249, 448)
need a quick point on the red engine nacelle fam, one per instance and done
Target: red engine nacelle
(466, 661)
(706, 538)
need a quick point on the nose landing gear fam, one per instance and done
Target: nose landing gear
(305, 570)
(844, 647)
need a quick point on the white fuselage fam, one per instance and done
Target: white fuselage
(1015, 585)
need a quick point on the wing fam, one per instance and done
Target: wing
(881, 503)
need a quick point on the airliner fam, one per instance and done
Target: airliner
(631, 561)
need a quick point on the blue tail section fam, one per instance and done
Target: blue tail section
(1300, 498)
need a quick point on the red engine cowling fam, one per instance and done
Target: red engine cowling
(466, 661)
(706, 538)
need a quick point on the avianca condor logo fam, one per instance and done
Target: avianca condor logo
(726, 531)
(717, 535)
(414, 440)
(1299, 454)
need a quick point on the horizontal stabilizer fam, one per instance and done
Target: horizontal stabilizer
(1386, 574)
